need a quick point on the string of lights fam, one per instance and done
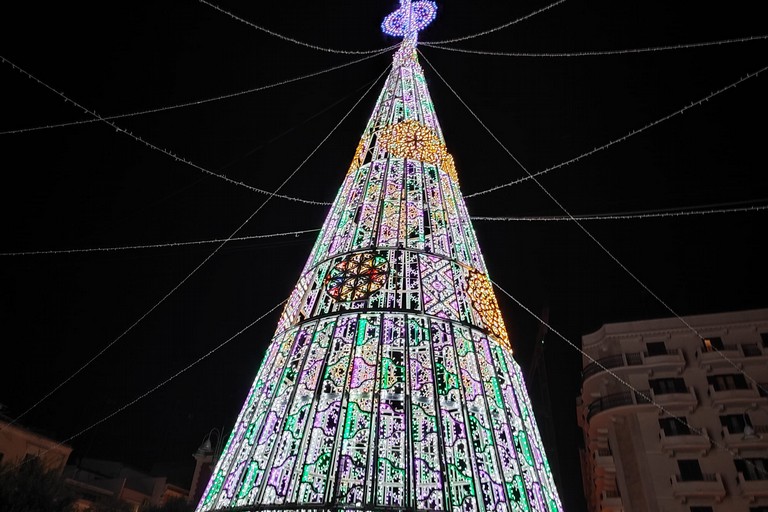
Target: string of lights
(626, 216)
(150, 391)
(620, 139)
(589, 234)
(156, 246)
(159, 149)
(495, 29)
(593, 53)
(649, 399)
(193, 102)
(292, 40)
(651, 214)
(207, 258)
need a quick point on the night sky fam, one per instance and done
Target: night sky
(90, 186)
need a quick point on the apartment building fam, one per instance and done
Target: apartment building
(674, 414)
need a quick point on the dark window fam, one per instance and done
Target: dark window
(1, 456)
(751, 350)
(670, 385)
(758, 509)
(752, 469)
(690, 470)
(675, 426)
(728, 381)
(764, 337)
(711, 344)
(735, 423)
(701, 509)
(656, 348)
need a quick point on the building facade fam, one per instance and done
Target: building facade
(675, 416)
(18, 443)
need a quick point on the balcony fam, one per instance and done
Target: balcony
(738, 441)
(604, 459)
(748, 396)
(626, 398)
(688, 443)
(710, 486)
(726, 356)
(752, 489)
(673, 359)
(610, 501)
(684, 399)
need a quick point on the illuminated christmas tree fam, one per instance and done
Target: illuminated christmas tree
(390, 383)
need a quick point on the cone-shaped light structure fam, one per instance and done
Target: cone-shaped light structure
(390, 383)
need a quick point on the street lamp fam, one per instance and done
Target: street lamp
(206, 449)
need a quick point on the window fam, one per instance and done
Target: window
(656, 348)
(752, 469)
(675, 426)
(764, 337)
(735, 423)
(701, 509)
(728, 381)
(690, 470)
(751, 350)
(711, 344)
(669, 385)
(758, 509)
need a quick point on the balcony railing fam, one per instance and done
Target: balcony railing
(672, 357)
(708, 485)
(752, 489)
(618, 400)
(692, 442)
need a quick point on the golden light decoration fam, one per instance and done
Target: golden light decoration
(480, 291)
(415, 141)
(358, 158)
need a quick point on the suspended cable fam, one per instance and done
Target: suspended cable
(587, 232)
(161, 150)
(191, 103)
(594, 53)
(292, 40)
(157, 246)
(153, 389)
(620, 139)
(207, 258)
(489, 31)
(639, 394)
(625, 216)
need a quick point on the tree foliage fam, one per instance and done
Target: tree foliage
(29, 487)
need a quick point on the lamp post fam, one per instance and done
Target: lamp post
(206, 456)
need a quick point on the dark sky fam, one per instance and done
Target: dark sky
(89, 186)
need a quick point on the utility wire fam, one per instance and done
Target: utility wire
(495, 29)
(155, 388)
(156, 246)
(533, 176)
(207, 258)
(161, 150)
(626, 216)
(190, 103)
(295, 41)
(645, 397)
(588, 233)
(593, 53)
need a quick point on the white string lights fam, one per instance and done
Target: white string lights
(589, 234)
(157, 246)
(594, 53)
(207, 258)
(292, 40)
(159, 149)
(495, 29)
(700, 431)
(533, 176)
(146, 393)
(194, 102)
(628, 215)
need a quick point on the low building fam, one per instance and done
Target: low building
(674, 414)
(19, 443)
